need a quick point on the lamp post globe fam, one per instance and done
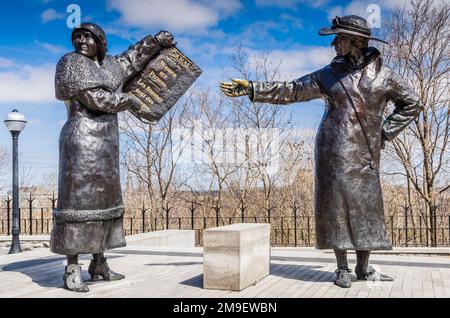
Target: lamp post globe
(15, 122)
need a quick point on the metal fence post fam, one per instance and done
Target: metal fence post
(131, 226)
(167, 215)
(143, 210)
(242, 208)
(295, 224)
(30, 206)
(217, 210)
(406, 226)
(217, 217)
(435, 229)
(53, 199)
(309, 232)
(192, 215)
(392, 230)
(420, 230)
(8, 214)
(193, 207)
(42, 220)
(23, 227)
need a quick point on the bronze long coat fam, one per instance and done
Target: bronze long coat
(89, 213)
(348, 200)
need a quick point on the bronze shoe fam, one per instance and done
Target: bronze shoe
(370, 274)
(72, 279)
(343, 278)
(102, 269)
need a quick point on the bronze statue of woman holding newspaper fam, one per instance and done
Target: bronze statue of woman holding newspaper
(89, 215)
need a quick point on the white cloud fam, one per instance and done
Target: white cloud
(6, 62)
(359, 7)
(56, 49)
(290, 4)
(34, 121)
(258, 32)
(356, 7)
(335, 11)
(296, 23)
(27, 84)
(50, 15)
(296, 63)
(175, 15)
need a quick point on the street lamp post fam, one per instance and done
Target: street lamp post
(15, 122)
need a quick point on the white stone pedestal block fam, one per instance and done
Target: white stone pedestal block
(235, 256)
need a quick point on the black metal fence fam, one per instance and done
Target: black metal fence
(38, 209)
(300, 230)
(292, 229)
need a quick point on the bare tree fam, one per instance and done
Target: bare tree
(298, 176)
(419, 50)
(152, 154)
(268, 128)
(3, 158)
(49, 184)
(211, 121)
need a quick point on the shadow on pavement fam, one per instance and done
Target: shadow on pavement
(50, 274)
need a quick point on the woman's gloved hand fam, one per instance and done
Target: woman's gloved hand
(236, 88)
(165, 39)
(135, 103)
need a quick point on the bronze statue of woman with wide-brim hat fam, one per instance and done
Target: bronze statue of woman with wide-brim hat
(356, 87)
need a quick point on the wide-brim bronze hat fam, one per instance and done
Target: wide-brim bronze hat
(351, 25)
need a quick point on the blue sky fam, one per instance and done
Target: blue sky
(35, 35)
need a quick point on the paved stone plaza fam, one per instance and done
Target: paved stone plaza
(177, 272)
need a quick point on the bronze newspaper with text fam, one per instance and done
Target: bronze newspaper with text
(162, 82)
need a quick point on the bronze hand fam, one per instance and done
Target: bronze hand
(235, 88)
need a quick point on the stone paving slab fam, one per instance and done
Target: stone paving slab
(177, 273)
